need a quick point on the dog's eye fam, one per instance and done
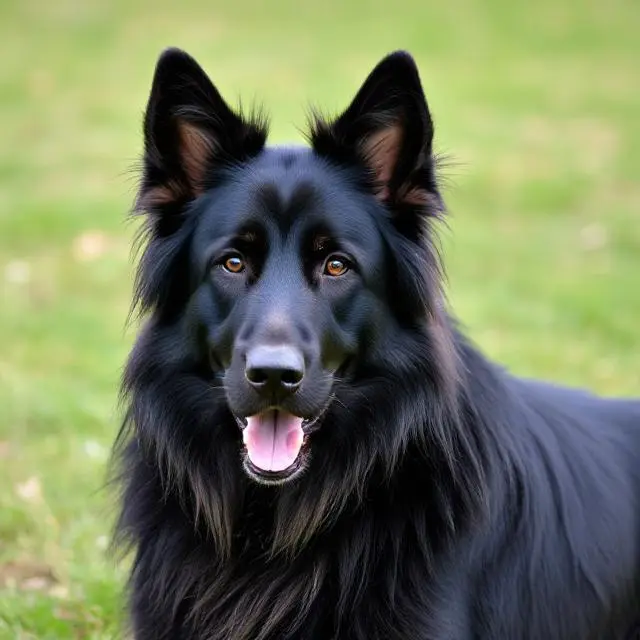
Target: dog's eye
(234, 263)
(335, 266)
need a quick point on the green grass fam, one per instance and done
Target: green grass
(537, 104)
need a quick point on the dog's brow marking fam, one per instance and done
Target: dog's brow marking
(248, 236)
(301, 196)
(267, 197)
(320, 243)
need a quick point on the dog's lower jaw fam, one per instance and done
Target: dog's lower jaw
(277, 478)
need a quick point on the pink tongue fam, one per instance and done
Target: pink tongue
(273, 440)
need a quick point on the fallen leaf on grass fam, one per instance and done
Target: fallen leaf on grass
(102, 542)
(30, 490)
(90, 246)
(593, 237)
(27, 575)
(59, 591)
(37, 583)
(17, 272)
(95, 450)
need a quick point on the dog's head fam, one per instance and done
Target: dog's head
(288, 271)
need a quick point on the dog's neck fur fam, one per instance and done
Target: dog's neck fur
(288, 532)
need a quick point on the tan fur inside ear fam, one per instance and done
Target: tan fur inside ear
(195, 150)
(381, 151)
(160, 195)
(417, 197)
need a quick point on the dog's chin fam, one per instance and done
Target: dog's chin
(277, 478)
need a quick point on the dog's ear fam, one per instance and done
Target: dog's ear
(387, 129)
(189, 130)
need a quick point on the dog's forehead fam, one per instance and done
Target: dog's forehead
(293, 187)
(287, 191)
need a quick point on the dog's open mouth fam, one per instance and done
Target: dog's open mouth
(273, 440)
(275, 444)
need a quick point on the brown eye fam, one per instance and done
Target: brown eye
(234, 264)
(335, 266)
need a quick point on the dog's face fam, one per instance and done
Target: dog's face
(290, 284)
(287, 291)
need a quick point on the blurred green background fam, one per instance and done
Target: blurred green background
(536, 104)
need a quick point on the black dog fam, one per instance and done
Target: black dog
(312, 450)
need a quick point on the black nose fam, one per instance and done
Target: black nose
(274, 370)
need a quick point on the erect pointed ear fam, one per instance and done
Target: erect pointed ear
(189, 130)
(387, 129)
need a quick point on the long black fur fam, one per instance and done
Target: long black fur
(444, 498)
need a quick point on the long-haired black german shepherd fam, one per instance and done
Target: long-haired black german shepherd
(312, 450)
